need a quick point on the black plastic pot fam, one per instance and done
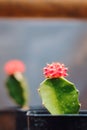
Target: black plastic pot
(21, 120)
(40, 119)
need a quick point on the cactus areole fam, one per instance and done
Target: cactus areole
(15, 82)
(58, 95)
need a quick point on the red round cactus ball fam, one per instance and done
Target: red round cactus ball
(55, 70)
(14, 66)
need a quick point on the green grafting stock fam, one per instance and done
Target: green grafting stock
(59, 96)
(17, 90)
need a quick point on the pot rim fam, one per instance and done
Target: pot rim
(43, 112)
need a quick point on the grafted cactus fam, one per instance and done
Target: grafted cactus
(59, 95)
(16, 83)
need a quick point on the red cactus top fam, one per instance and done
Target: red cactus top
(55, 70)
(14, 66)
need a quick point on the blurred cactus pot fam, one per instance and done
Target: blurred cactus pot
(17, 90)
(60, 101)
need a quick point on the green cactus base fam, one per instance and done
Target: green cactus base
(17, 90)
(59, 96)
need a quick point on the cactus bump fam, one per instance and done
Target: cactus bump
(58, 95)
(15, 82)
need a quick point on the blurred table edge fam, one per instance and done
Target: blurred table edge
(44, 8)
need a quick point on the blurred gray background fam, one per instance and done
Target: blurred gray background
(40, 41)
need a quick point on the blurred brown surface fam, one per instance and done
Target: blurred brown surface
(43, 8)
(7, 120)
